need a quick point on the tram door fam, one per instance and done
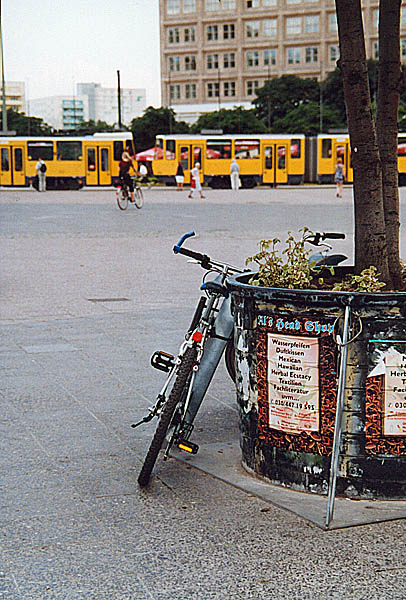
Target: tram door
(18, 165)
(91, 160)
(104, 165)
(342, 150)
(5, 172)
(275, 169)
(189, 156)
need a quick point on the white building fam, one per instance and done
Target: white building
(103, 102)
(61, 112)
(15, 95)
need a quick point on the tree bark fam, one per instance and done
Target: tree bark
(370, 237)
(389, 83)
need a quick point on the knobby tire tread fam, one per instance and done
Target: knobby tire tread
(174, 398)
(229, 357)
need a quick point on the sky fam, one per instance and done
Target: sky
(53, 44)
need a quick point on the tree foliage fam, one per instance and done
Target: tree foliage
(153, 122)
(236, 120)
(23, 125)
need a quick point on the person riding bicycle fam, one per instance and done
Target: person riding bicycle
(125, 164)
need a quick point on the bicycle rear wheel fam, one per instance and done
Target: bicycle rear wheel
(122, 199)
(176, 397)
(139, 197)
(229, 357)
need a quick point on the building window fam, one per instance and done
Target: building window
(212, 61)
(311, 54)
(294, 56)
(403, 48)
(190, 90)
(190, 63)
(332, 22)
(293, 25)
(229, 61)
(269, 2)
(220, 4)
(311, 24)
(229, 88)
(252, 3)
(228, 31)
(213, 90)
(212, 33)
(252, 29)
(174, 63)
(227, 4)
(376, 50)
(334, 53)
(173, 7)
(189, 6)
(252, 87)
(293, 1)
(189, 34)
(252, 58)
(173, 35)
(376, 19)
(403, 16)
(174, 92)
(270, 27)
(270, 57)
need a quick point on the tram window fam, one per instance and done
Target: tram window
(246, 149)
(218, 149)
(281, 157)
(5, 161)
(295, 148)
(340, 151)
(159, 149)
(91, 159)
(197, 156)
(130, 146)
(44, 150)
(170, 150)
(326, 148)
(69, 150)
(402, 146)
(184, 157)
(118, 148)
(18, 159)
(104, 159)
(268, 157)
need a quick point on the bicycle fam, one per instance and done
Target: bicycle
(123, 195)
(209, 335)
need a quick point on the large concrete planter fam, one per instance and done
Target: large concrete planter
(287, 362)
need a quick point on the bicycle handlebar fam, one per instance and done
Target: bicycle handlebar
(203, 259)
(333, 236)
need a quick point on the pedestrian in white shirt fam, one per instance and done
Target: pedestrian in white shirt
(234, 175)
(195, 181)
(41, 169)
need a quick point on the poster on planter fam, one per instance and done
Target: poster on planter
(386, 399)
(297, 381)
(293, 383)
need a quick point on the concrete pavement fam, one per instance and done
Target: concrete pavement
(87, 294)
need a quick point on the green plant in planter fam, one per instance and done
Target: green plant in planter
(296, 272)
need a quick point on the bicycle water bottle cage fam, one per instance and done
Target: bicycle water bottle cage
(215, 288)
(162, 361)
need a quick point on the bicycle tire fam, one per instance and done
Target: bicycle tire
(122, 199)
(139, 197)
(175, 397)
(229, 357)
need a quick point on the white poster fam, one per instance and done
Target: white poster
(392, 365)
(293, 383)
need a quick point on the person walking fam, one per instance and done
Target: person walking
(234, 175)
(41, 169)
(143, 173)
(180, 177)
(195, 181)
(339, 177)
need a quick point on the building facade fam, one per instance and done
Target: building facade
(103, 102)
(217, 53)
(15, 95)
(61, 112)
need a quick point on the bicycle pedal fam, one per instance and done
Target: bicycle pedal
(187, 446)
(162, 361)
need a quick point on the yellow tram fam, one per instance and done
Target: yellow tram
(72, 162)
(262, 158)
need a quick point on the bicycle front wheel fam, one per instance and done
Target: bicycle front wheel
(139, 198)
(176, 397)
(122, 199)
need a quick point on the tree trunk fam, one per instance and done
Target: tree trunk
(370, 238)
(389, 82)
